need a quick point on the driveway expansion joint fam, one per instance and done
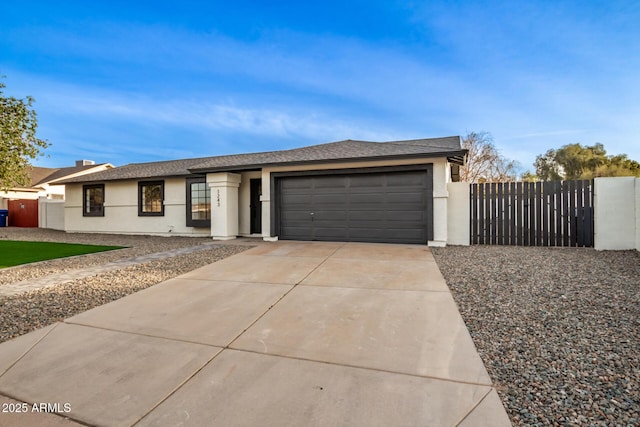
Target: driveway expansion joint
(465, 416)
(366, 368)
(282, 297)
(27, 351)
(121, 331)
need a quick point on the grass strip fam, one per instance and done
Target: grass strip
(15, 252)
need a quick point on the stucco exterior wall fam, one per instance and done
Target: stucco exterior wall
(441, 175)
(615, 213)
(459, 216)
(52, 191)
(121, 211)
(121, 203)
(51, 214)
(637, 185)
(244, 202)
(224, 204)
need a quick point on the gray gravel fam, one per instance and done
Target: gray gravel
(134, 246)
(557, 328)
(26, 312)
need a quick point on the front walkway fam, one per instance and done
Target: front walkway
(286, 333)
(16, 288)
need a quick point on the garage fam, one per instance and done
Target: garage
(387, 205)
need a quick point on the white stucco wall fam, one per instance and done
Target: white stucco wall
(615, 213)
(637, 185)
(441, 176)
(441, 172)
(224, 204)
(51, 214)
(121, 211)
(458, 210)
(53, 191)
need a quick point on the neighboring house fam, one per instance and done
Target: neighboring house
(22, 202)
(342, 191)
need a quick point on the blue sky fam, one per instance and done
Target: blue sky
(124, 82)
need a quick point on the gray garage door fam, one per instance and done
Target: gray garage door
(389, 207)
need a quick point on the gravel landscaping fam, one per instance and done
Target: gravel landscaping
(134, 246)
(557, 328)
(28, 311)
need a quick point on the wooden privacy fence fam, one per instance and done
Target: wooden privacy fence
(553, 213)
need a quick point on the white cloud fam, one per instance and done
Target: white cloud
(291, 86)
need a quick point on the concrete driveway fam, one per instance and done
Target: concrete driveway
(287, 333)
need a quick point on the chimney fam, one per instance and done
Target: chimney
(84, 163)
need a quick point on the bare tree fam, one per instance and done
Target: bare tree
(484, 162)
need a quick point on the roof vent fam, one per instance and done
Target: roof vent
(84, 163)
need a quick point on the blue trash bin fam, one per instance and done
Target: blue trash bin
(4, 214)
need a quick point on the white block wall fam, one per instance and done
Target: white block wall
(637, 214)
(458, 209)
(616, 213)
(51, 214)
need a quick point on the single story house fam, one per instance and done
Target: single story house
(22, 202)
(393, 192)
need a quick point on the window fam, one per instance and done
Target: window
(198, 203)
(93, 200)
(151, 198)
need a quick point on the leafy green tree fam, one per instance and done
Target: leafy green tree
(528, 176)
(18, 140)
(619, 165)
(574, 161)
(547, 168)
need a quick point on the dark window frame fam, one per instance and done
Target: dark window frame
(98, 212)
(142, 184)
(190, 221)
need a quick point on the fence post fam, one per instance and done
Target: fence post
(615, 213)
(459, 217)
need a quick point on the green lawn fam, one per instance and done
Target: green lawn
(13, 252)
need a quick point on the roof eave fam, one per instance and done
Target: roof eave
(459, 158)
(138, 178)
(456, 156)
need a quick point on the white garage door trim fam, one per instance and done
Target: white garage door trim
(368, 208)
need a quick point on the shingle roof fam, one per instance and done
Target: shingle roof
(348, 150)
(39, 175)
(63, 172)
(141, 170)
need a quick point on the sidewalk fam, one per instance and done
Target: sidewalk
(81, 273)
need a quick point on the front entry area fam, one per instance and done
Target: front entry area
(255, 207)
(381, 205)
